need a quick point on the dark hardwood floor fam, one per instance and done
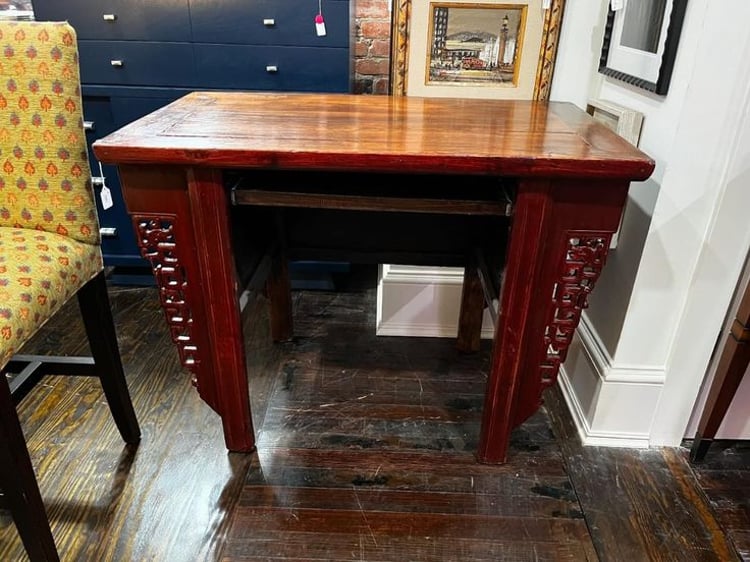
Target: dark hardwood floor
(365, 452)
(724, 476)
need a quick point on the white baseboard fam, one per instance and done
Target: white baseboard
(611, 405)
(415, 330)
(605, 366)
(421, 302)
(589, 436)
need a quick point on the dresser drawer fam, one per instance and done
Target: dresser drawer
(270, 22)
(98, 120)
(127, 109)
(104, 113)
(134, 63)
(118, 237)
(273, 68)
(153, 20)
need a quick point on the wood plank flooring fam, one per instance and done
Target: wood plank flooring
(365, 452)
(724, 476)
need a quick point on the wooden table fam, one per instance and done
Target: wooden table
(223, 188)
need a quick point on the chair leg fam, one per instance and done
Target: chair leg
(731, 368)
(19, 485)
(100, 329)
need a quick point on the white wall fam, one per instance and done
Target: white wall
(635, 372)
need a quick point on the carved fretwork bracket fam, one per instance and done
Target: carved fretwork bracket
(580, 268)
(157, 243)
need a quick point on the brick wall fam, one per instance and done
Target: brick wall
(372, 46)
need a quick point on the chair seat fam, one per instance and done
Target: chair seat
(39, 272)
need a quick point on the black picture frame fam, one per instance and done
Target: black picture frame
(661, 85)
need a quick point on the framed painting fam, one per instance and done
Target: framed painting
(640, 43)
(463, 48)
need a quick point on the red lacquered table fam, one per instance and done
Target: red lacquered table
(224, 188)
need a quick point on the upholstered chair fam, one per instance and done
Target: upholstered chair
(49, 250)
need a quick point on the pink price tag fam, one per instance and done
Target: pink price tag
(320, 25)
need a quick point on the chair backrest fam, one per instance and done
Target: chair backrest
(45, 180)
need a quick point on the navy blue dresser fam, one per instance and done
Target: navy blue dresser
(138, 55)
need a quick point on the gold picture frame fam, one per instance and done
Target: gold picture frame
(545, 42)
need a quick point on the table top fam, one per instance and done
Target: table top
(350, 132)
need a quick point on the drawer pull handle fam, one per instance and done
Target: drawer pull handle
(272, 68)
(88, 126)
(268, 22)
(107, 232)
(116, 63)
(109, 17)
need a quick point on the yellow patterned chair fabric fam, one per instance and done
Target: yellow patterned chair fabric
(49, 234)
(49, 251)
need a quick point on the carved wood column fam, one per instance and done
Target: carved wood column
(176, 231)
(157, 242)
(559, 241)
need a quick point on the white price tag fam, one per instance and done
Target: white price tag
(617, 5)
(320, 26)
(106, 196)
(546, 4)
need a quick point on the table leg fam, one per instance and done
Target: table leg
(558, 244)
(279, 290)
(470, 315)
(210, 213)
(182, 228)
